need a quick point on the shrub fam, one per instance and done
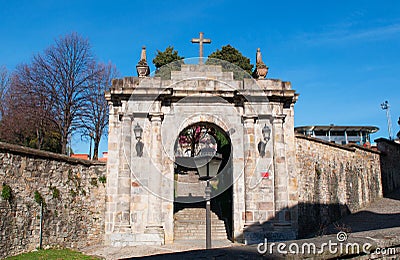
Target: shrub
(38, 198)
(56, 192)
(6, 192)
(102, 179)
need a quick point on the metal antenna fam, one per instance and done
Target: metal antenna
(385, 106)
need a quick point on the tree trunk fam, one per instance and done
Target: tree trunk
(64, 141)
(96, 148)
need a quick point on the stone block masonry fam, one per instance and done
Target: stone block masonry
(334, 180)
(390, 165)
(73, 193)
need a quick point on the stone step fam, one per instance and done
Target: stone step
(213, 227)
(189, 237)
(197, 222)
(194, 225)
(203, 227)
(200, 234)
(196, 243)
(194, 231)
(190, 224)
(194, 212)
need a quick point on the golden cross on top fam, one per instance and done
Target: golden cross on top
(200, 41)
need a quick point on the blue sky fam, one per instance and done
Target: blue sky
(341, 56)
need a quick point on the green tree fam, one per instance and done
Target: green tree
(234, 61)
(166, 61)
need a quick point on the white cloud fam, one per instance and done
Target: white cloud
(344, 36)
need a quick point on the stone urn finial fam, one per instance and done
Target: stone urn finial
(143, 54)
(261, 69)
(142, 68)
(258, 56)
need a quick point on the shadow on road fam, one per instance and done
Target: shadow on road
(382, 214)
(239, 252)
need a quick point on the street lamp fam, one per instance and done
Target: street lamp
(266, 132)
(138, 131)
(207, 164)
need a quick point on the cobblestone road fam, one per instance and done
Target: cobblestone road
(378, 224)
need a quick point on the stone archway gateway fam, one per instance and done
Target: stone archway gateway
(189, 191)
(141, 166)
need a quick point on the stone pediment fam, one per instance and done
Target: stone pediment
(213, 72)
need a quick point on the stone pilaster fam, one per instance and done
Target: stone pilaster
(112, 170)
(124, 176)
(249, 164)
(282, 215)
(155, 178)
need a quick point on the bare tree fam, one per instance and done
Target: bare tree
(59, 92)
(14, 123)
(62, 73)
(4, 86)
(94, 118)
(26, 116)
(34, 101)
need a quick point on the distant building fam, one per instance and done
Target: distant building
(104, 158)
(339, 134)
(83, 156)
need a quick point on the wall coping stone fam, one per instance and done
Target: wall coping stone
(356, 146)
(349, 147)
(18, 149)
(386, 141)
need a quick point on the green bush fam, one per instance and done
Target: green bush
(93, 182)
(102, 179)
(56, 192)
(6, 192)
(38, 198)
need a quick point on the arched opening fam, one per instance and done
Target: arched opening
(189, 191)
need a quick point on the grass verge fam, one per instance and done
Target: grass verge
(56, 254)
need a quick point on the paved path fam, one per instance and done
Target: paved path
(380, 221)
(378, 224)
(139, 251)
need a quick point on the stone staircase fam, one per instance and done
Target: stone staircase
(190, 224)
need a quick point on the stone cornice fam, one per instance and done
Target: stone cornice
(258, 95)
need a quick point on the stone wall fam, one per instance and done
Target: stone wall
(334, 180)
(390, 164)
(73, 193)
